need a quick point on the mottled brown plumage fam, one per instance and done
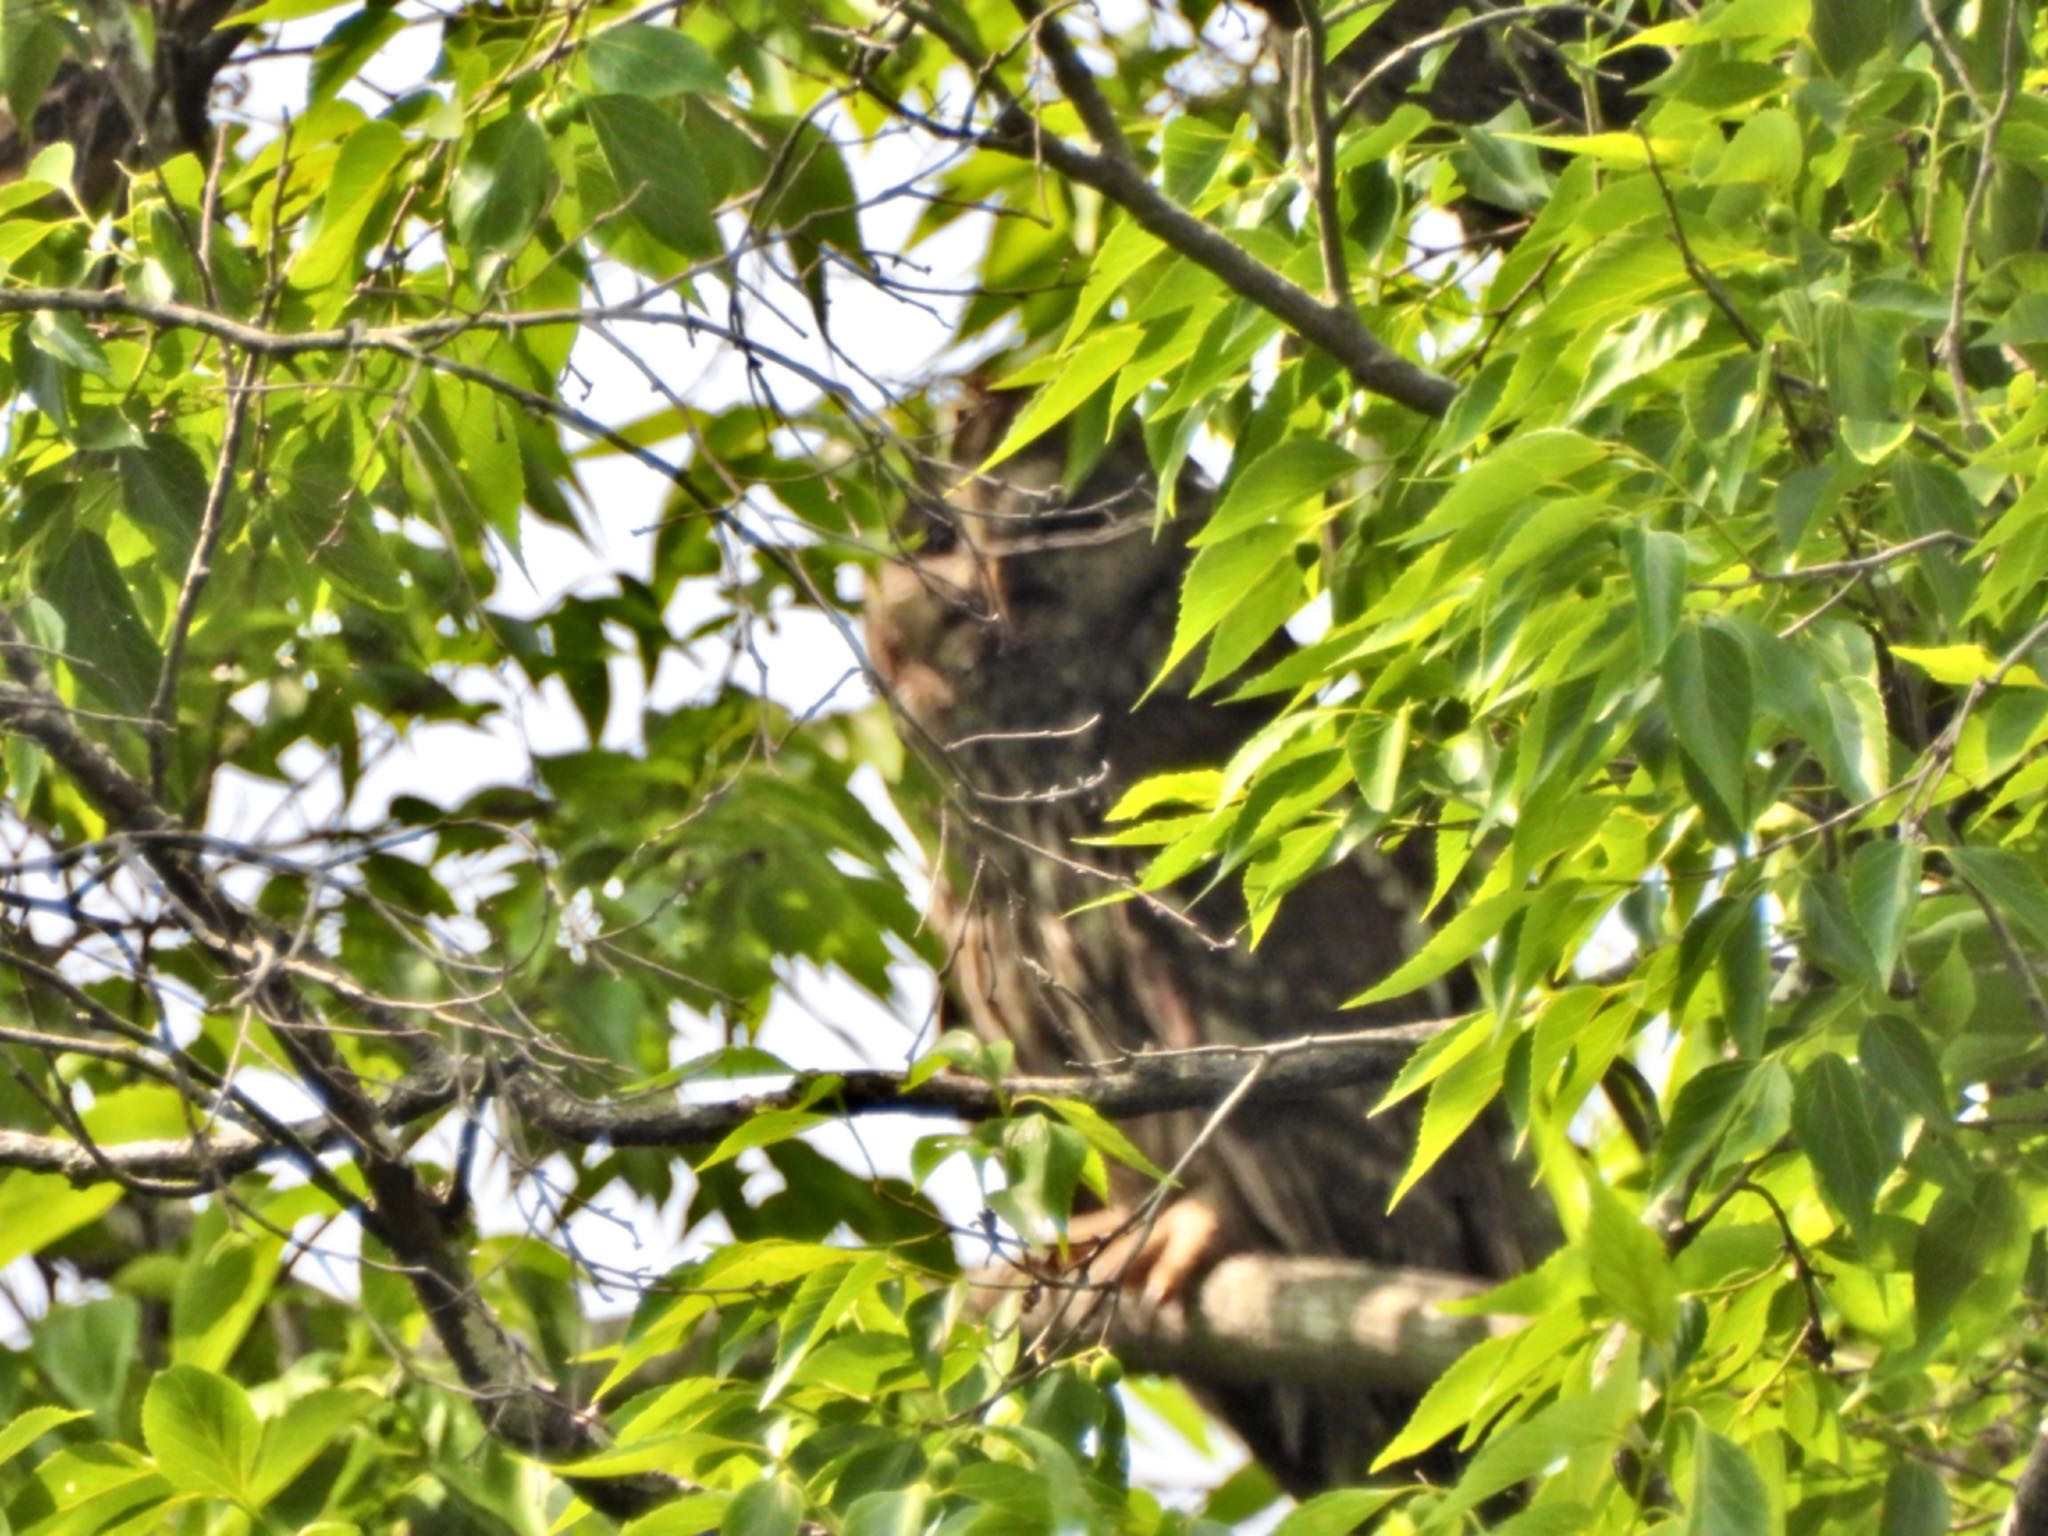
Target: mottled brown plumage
(1021, 634)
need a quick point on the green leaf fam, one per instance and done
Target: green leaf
(1102, 1133)
(1958, 665)
(1707, 689)
(1845, 33)
(117, 665)
(279, 10)
(1744, 965)
(1884, 880)
(300, 1434)
(1573, 1423)
(1276, 482)
(1090, 366)
(353, 43)
(763, 1130)
(325, 521)
(2009, 883)
(1697, 1117)
(30, 1425)
(1628, 1266)
(814, 200)
(1505, 477)
(362, 171)
(1833, 1125)
(501, 185)
(219, 1295)
(1765, 148)
(897, 1513)
(691, 1515)
(1338, 1512)
(1973, 1246)
(1915, 1502)
(1190, 153)
(1657, 568)
(1237, 575)
(657, 173)
(1454, 943)
(1376, 746)
(635, 59)
(1454, 1102)
(1455, 1398)
(68, 339)
(1895, 1054)
(1728, 1494)
(163, 491)
(821, 1301)
(203, 1433)
(773, 1506)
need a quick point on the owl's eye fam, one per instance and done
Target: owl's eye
(941, 536)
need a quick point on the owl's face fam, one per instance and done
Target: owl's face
(1063, 587)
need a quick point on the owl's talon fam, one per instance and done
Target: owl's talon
(1183, 1239)
(1153, 1262)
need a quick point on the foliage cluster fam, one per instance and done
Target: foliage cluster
(1687, 604)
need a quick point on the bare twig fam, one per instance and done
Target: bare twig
(1694, 267)
(1322, 156)
(1951, 345)
(212, 520)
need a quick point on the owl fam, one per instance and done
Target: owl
(1019, 633)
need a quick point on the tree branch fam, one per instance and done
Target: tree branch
(1308, 1322)
(2028, 1514)
(1155, 1083)
(1334, 329)
(517, 1405)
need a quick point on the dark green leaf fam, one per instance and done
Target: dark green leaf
(2009, 882)
(773, 1506)
(1896, 1055)
(115, 658)
(1973, 1245)
(635, 59)
(1707, 689)
(1656, 567)
(1697, 1117)
(657, 173)
(1915, 1502)
(1846, 32)
(1835, 1129)
(1728, 1495)
(163, 489)
(501, 185)
(1884, 879)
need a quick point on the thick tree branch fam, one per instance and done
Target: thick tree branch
(1307, 1322)
(1339, 332)
(1335, 329)
(1156, 1083)
(2028, 1513)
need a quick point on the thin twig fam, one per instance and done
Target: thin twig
(212, 521)
(1707, 282)
(1951, 345)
